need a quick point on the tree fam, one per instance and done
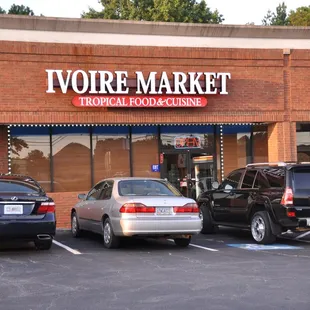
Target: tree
(17, 145)
(186, 11)
(280, 18)
(18, 10)
(37, 164)
(300, 17)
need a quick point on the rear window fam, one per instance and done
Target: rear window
(146, 188)
(18, 186)
(301, 178)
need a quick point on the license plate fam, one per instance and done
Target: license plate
(163, 211)
(13, 209)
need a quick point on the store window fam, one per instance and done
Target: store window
(111, 147)
(194, 138)
(237, 147)
(30, 153)
(145, 156)
(71, 158)
(303, 141)
(260, 143)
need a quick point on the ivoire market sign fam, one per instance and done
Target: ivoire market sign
(116, 90)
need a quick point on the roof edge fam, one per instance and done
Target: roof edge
(56, 24)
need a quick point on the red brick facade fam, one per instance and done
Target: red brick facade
(266, 86)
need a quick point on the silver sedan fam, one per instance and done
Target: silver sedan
(136, 207)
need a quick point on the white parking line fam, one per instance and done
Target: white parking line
(199, 246)
(202, 247)
(302, 235)
(67, 248)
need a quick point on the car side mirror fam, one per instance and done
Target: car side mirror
(228, 188)
(81, 196)
(215, 185)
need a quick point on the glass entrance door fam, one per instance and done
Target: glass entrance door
(191, 173)
(201, 173)
(174, 168)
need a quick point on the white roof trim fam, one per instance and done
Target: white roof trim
(149, 40)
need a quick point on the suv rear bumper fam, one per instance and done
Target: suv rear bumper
(303, 223)
(295, 224)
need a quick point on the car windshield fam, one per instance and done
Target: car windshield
(147, 188)
(18, 186)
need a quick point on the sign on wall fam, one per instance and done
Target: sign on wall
(139, 101)
(112, 89)
(187, 142)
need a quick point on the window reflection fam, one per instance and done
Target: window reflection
(237, 147)
(110, 152)
(31, 153)
(145, 151)
(71, 159)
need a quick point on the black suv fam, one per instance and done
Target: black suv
(267, 198)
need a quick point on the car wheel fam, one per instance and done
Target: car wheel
(261, 229)
(43, 244)
(182, 242)
(75, 227)
(207, 224)
(110, 241)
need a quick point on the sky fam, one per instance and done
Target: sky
(234, 11)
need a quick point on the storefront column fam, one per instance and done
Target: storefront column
(282, 142)
(4, 149)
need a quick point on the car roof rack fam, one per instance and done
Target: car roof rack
(277, 164)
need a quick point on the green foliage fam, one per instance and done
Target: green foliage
(18, 10)
(279, 18)
(300, 17)
(186, 11)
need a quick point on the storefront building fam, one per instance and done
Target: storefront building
(86, 100)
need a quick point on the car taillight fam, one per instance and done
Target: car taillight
(188, 208)
(287, 198)
(46, 207)
(136, 208)
(291, 213)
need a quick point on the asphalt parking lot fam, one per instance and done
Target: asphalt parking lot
(221, 271)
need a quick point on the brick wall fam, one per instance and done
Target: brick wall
(282, 142)
(64, 203)
(257, 79)
(3, 149)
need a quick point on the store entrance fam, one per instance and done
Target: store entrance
(190, 172)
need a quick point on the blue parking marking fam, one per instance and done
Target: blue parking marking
(261, 247)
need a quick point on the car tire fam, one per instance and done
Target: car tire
(43, 244)
(207, 223)
(75, 226)
(110, 241)
(182, 242)
(261, 228)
